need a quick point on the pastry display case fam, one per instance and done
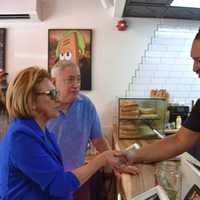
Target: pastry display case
(140, 118)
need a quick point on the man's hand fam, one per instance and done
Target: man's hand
(121, 166)
(124, 166)
(118, 162)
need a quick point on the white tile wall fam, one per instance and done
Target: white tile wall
(166, 64)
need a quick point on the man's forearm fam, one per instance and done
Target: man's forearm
(160, 150)
(166, 148)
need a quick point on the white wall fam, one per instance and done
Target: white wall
(167, 64)
(114, 53)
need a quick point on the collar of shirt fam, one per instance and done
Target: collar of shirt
(78, 99)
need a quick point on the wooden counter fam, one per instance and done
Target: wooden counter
(134, 185)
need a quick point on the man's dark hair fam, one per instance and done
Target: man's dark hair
(197, 37)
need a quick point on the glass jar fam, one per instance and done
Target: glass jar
(178, 122)
(168, 176)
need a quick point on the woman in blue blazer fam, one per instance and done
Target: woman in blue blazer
(30, 161)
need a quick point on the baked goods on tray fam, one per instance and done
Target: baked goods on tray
(129, 108)
(128, 126)
(148, 112)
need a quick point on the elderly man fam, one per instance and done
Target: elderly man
(186, 137)
(77, 124)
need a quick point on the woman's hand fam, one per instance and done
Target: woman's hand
(128, 169)
(109, 158)
(118, 162)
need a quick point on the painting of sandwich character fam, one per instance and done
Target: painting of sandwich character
(73, 45)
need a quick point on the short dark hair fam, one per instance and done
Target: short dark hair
(197, 37)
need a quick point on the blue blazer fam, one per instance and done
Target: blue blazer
(31, 165)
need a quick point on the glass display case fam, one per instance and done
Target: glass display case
(141, 118)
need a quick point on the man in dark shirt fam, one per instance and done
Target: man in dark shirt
(186, 137)
(194, 124)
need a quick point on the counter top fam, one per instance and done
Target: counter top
(134, 185)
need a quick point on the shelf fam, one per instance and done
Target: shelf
(144, 132)
(138, 116)
(170, 131)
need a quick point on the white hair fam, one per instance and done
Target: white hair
(60, 66)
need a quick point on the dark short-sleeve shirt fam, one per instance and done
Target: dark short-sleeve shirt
(193, 121)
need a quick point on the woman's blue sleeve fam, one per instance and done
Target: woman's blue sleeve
(29, 155)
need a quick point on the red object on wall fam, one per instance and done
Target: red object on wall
(121, 25)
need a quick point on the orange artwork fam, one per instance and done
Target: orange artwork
(193, 194)
(73, 45)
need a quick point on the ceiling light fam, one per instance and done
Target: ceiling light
(186, 3)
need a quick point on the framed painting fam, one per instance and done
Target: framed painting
(193, 194)
(73, 45)
(2, 47)
(155, 193)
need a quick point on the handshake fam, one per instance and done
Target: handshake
(121, 161)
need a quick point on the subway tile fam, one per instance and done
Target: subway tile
(183, 87)
(159, 81)
(166, 64)
(195, 88)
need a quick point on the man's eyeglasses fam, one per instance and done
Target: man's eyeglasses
(72, 80)
(53, 94)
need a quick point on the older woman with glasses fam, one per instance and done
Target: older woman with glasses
(31, 166)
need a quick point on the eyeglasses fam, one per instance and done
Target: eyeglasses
(53, 94)
(72, 80)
